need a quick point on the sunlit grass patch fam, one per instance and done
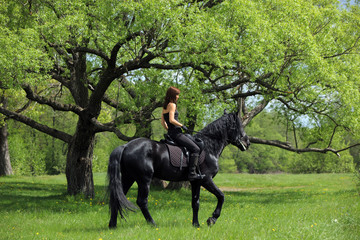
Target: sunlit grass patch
(279, 206)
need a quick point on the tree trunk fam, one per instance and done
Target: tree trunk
(80, 151)
(158, 183)
(178, 185)
(79, 161)
(5, 164)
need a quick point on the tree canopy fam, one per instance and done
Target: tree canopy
(108, 62)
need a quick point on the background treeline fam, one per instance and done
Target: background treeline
(35, 153)
(269, 159)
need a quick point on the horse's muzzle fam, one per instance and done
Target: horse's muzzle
(243, 144)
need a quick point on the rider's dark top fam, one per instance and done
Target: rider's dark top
(173, 130)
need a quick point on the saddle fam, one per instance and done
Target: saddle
(179, 155)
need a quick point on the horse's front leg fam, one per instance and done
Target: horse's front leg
(211, 187)
(195, 203)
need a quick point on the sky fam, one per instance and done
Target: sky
(344, 1)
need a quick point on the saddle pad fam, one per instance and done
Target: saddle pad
(175, 153)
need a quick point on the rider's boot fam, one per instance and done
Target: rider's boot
(193, 162)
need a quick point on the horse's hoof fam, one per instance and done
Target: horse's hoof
(211, 221)
(111, 226)
(152, 223)
(196, 225)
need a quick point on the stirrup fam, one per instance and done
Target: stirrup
(195, 176)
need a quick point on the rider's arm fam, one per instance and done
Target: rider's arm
(172, 109)
(163, 123)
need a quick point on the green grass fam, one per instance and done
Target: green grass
(324, 206)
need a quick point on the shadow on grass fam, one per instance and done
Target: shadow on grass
(27, 196)
(34, 197)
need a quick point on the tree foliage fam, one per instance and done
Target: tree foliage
(107, 63)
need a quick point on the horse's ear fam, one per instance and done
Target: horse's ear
(225, 111)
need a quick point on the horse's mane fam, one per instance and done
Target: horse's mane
(219, 128)
(215, 135)
(216, 129)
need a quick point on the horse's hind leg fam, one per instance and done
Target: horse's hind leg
(127, 182)
(142, 200)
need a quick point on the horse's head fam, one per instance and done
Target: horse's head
(236, 132)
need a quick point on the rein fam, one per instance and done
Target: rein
(193, 131)
(231, 129)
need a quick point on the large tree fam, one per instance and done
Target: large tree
(108, 61)
(5, 164)
(95, 52)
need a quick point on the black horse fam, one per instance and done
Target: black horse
(142, 159)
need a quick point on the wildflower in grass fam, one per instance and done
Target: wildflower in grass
(274, 229)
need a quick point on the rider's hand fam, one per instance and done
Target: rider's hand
(185, 128)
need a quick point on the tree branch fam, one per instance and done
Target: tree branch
(169, 66)
(332, 135)
(128, 87)
(287, 146)
(346, 51)
(246, 94)
(109, 101)
(116, 48)
(92, 51)
(38, 126)
(55, 105)
(100, 127)
(227, 86)
(23, 108)
(249, 116)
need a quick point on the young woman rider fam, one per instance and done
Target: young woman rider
(170, 121)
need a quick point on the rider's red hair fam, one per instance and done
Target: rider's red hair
(171, 94)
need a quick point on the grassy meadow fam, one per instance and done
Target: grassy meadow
(281, 206)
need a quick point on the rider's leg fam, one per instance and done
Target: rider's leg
(194, 150)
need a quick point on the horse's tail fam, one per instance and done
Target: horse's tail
(118, 201)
